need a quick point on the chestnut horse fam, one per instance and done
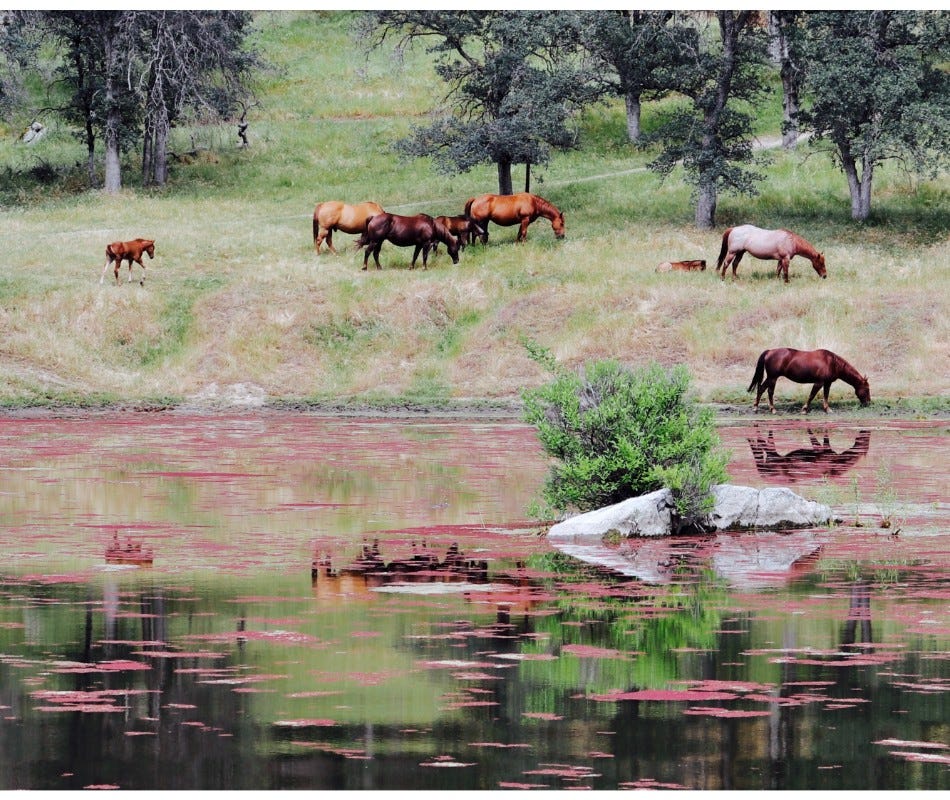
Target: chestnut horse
(513, 209)
(420, 231)
(782, 245)
(462, 228)
(818, 367)
(334, 215)
(117, 252)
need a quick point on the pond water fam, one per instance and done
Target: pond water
(286, 601)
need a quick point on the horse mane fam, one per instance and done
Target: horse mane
(848, 373)
(545, 208)
(802, 245)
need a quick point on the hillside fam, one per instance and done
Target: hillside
(237, 306)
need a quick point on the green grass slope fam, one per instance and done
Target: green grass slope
(237, 306)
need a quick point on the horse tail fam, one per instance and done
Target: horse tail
(759, 373)
(316, 224)
(723, 250)
(468, 208)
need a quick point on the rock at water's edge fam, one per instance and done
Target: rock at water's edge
(736, 508)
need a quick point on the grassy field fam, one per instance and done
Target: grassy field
(238, 307)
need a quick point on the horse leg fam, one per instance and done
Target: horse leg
(142, 265)
(329, 241)
(366, 253)
(783, 268)
(825, 399)
(376, 249)
(735, 265)
(102, 277)
(811, 396)
(523, 230)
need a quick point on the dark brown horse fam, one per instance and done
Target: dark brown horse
(805, 463)
(818, 367)
(513, 209)
(336, 216)
(420, 231)
(117, 252)
(782, 245)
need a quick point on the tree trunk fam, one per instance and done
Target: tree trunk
(859, 187)
(790, 97)
(706, 206)
(527, 177)
(632, 100)
(113, 168)
(504, 177)
(148, 150)
(91, 153)
(160, 148)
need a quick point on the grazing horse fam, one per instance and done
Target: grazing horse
(513, 209)
(462, 228)
(117, 252)
(782, 245)
(682, 266)
(336, 216)
(420, 231)
(818, 367)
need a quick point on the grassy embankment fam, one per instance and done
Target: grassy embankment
(237, 304)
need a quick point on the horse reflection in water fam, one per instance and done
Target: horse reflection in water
(817, 461)
(857, 627)
(510, 592)
(369, 570)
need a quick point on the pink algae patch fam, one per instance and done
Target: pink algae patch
(588, 651)
(545, 715)
(499, 745)
(726, 713)
(932, 758)
(664, 695)
(103, 666)
(304, 723)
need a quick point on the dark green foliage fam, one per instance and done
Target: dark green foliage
(879, 90)
(617, 433)
(514, 83)
(712, 135)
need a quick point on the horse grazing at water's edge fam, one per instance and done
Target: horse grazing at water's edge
(782, 245)
(818, 367)
(513, 209)
(117, 252)
(336, 216)
(420, 231)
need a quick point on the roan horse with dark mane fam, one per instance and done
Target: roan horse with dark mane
(420, 230)
(818, 367)
(117, 252)
(336, 216)
(513, 209)
(782, 245)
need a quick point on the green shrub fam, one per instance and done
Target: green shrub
(617, 433)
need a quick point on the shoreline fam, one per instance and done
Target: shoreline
(725, 413)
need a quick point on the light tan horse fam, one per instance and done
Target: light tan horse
(336, 216)
(782, 245)
(513, 209)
